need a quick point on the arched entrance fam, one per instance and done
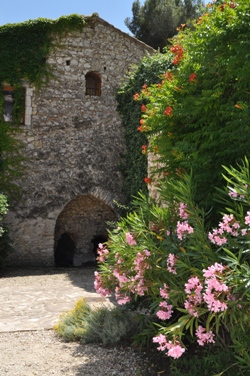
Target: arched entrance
(80, 227)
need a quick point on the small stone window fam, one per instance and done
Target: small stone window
(93, 84)
(8, 104)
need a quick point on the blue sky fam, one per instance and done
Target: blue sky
(112, 11)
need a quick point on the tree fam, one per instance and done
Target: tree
(156, 21)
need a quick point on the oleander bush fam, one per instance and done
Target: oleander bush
(193, 280)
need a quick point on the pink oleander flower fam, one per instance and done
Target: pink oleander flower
(216, 238)
(229, 225)
(130, 239)
(138, 284)
(120, 297)
(174, 348)
(182, 211)
(171, 261)
(213, 270)
(122, 278)
(162, 340)
(183, 228)
(233, 194)
(98, 285)
(194, 290)
(191, 308)
(216, 291)
(141, 262)
(102, 252)
(164, 291)
(247, 218)
(165, 312)
(203, 336)
(192, 284)
(175, 351)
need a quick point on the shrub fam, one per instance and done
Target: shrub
(106, 325)
(195, 281)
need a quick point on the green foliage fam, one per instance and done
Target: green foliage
(156, 252)
(109, 326)
(208, 361)
(10, 159)
(156, 21)
(207, 122)
(135, 163)
(24, 47)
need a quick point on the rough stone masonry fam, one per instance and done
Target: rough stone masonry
(73, 141)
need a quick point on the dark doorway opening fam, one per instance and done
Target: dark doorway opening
(64, 251)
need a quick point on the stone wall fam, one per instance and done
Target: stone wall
(73, 146)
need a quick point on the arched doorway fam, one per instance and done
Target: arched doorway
(84, 220)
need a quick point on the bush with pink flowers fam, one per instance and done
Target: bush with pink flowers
(194, 281)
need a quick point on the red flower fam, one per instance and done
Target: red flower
(147, 180)
(143, 108)
(222, 7)
(144, 149)
(140, 129)
(178, 51)
(136, 96)
(169, 76)
(192, 77)
(168, 111)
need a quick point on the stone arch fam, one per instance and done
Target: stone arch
(93, 84)
(84, 219)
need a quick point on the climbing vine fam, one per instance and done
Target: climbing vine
(147, 72)
(24, 48)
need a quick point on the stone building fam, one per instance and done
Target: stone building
(73, 141)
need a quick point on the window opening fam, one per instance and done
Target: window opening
(8, 104)
(93, 84)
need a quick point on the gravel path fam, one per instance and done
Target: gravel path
(42, 353)
(30, 302)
